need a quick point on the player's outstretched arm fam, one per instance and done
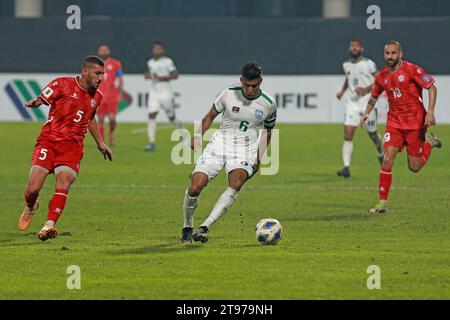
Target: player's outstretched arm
(430, 120)
(206, 124)
(369, 108)
(34, 103)
(102, 147)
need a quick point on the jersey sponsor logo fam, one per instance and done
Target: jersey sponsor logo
(258, 114)
(401, 78)
(47, 92)
(74, 95)
(235, 109)
(426, 78)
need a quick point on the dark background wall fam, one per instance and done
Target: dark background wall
(233, 8)
(217, 37)
(219, 45)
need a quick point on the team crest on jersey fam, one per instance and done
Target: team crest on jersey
(235, 109)
(109, 67)
(401, 78)
(92, 103)
(426, 78)
(258, 114)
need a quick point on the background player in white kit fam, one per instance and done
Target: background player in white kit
(161, 70)
(237, 146)
(360, 74)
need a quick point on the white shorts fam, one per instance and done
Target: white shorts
(156, 101)
(353, 114)
(216, 156)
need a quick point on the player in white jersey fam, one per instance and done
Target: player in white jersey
(161, 70)
(248, 116)
(360, 74)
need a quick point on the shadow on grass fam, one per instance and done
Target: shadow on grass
(160, 248)
(334, 217)
(14, 239)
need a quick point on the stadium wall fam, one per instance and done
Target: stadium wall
(301, 99)
(220, 45)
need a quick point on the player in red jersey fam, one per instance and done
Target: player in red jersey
(407, 120)
(73, 102)
(112, 88)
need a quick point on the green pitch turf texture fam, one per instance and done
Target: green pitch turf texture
(123, 219)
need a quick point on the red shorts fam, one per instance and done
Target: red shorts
(52, 154)
(108, 106)
(413, 139)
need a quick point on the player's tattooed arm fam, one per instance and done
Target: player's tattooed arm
(344, 88)
(369, 108)
(430, 120)
(206, 124)
(102, 147)
(34, 103)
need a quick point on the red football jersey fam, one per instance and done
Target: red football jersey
(71, 109)
(404, 91)
(113, 70)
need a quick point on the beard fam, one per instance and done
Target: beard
(91, 86)
(355, 54)
(392, 62)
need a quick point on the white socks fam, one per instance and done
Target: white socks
(151, 130)
(189, 205)
(347, 150)
(222, 205)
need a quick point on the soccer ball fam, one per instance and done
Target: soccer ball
(269, 231)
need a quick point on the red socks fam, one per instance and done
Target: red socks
(426, 152)
(385, 182)
(57, 204)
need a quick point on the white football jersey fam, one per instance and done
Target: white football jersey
(243, 118)
(162, 67)
(359, 74)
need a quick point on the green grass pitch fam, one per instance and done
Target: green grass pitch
(123, 220)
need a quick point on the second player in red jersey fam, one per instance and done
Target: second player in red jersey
(112, 88)
(407, 120)
(73, 103)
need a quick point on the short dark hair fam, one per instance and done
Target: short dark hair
(159, 43)
(92, 60)
(251, 71)
(394, 42)
(103, 44)
(357, 40)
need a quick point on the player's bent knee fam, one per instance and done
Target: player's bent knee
(414, 168)
(195, 190)
(65, 176)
